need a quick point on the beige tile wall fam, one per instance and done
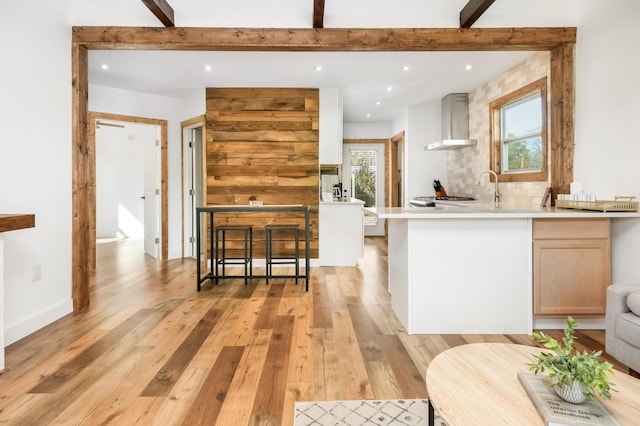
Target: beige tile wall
(464, 165)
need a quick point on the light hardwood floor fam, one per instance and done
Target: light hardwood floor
(151, 350)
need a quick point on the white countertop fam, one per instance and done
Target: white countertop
(351, 202)
(483, 210)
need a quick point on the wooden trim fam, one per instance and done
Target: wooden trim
(495, 133)
(164, 173)
(558, 40)
(324, 39)
(562, 119)
(162, 10)
(14, 222)
(318, 13)
(81, 160)
(394, 195)
(472, 11)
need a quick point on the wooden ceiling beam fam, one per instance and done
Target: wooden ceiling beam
(472, 11)
(324, 39)
(162, 10)
(318, 13)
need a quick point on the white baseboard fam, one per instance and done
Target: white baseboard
(17, 331)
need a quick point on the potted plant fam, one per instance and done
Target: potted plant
(574, 375)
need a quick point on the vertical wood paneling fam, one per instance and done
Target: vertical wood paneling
(263, 144)
(561, 115)
(82, 160)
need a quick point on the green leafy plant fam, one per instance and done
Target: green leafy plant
(564, 365)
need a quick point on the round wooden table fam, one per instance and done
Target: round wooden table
(477, 384)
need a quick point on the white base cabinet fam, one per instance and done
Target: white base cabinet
(341, 232)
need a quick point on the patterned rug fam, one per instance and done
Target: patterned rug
(396, 412)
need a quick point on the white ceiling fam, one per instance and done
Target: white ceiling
(364, 76)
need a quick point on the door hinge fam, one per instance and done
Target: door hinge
(190, 144)
(157, 191)
(192, 192)
(157, 142)
(192, 240)
(157, 240)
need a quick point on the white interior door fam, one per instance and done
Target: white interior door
(193, 185)
(152, 197)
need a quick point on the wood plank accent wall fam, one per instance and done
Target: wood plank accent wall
(262, 144)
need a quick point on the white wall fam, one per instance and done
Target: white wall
(424, 166)
(366, 131)
(35, 161)
(194, 105)
(35, 113)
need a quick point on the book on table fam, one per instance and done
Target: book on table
(555, 411)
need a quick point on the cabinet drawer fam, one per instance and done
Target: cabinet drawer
(588, 228)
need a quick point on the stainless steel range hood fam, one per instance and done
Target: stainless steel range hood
(455, 123)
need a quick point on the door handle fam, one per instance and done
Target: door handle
(143, 197)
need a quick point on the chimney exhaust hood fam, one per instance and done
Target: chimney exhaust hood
(455, 123)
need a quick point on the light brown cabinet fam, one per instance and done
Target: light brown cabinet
(571, 266)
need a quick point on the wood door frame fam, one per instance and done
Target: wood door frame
(164, 203)
(559, 41)
(394, 142)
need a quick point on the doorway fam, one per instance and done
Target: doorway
(128, 183)
(193, 174)
(364, 178)
(159, 176)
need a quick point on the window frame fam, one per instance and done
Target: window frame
(495, 133)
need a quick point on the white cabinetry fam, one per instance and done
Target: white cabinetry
(341, 232)
(330, 126)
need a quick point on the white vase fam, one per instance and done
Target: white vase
(573, 393)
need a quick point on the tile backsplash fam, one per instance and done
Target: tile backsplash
(464, 165)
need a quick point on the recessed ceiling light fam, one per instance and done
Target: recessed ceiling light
(104, 66)
(468, 67)
(368, 115)
(207, 67)
(318, 68)
(389, 88)
(405, 68)
(377, 102)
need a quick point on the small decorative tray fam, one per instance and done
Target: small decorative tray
(620, 204)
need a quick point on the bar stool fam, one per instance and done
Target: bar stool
(269, 230)
(221, 257)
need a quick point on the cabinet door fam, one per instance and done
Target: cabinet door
(331, 124)
(570, 277)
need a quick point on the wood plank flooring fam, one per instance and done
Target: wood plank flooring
(151, 350)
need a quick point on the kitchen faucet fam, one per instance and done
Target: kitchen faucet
(496, 193)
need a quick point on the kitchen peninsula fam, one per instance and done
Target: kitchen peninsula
(469, 268)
